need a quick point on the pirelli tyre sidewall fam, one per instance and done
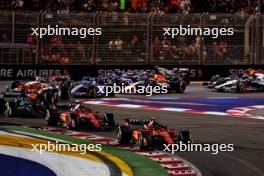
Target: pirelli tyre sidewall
(47, 117)
(2, 105)
(144, 141)
(124, 134)
(241, 86)
(72, 122)
(93, 91)
(9, 109)
(184, 136)
(52, 117)
(181, 86)
(65, 93)
(119, 135)
(109, 121)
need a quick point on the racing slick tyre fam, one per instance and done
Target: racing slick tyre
(64, 94)
(124, 134)
(48, 118)
(65, 90)
(72, 122)
(9, 109)
(181, 86)
(52, 117)
(241, 86)
(93, 92)
(184, 136)
(56, 96)
(187, 80)
(109, 121)
(144, 141)
(2, 105)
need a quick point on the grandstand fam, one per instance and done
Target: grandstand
(132, 32)
(135, 6)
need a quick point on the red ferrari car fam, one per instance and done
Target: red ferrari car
(150, 135)
(79, 116)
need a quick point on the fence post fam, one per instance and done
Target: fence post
(13, 26)
(149, 38)
(201, 54)
(38, 56)
(257, 39)
(95, 39)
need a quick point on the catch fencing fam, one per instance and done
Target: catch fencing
(131, 38)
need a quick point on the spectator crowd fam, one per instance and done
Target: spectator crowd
(138, 6)
(58, 49)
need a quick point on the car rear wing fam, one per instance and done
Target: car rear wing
(137, 121)
(66, 105)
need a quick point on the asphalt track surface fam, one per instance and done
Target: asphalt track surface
(259, 112)
(245, 134)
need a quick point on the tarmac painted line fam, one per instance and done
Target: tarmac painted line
(125, 169)
(235, 112)
(152, 101)
(243, 111)
(64, 163)
(174, 165)
(162, 109)
(4, 133)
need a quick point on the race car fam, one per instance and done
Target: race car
(151, 134)
(85, 88)
(31, 88)
(23, 106)
(29, 98)
(89, 87)
(242, 85)
(252, 81)
(79, 116)
(177, 79)
(41, 85)
(183, 73)
(171, 81)
(176, 84)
